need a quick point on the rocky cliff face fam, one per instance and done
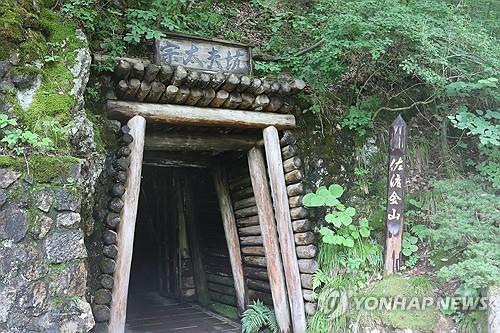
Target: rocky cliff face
(45, 200)
(43, 271)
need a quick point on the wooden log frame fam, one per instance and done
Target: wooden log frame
(178, 142)
(270, 238)
(200, 277)
(233, 244)
(273, 96)
(126, 229)
(285, 230)
(196, 116)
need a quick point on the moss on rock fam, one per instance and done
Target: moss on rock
(53, 99)
(43, 169)
(420, 320)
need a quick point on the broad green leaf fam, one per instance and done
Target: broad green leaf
(355, 234)
(313, 200)
(340, 207)
(346, 219)
(349, 242)
(331, 201)
(351, 211)
(364, 232)
(414, 248)
(363, 222)
(338, 239)
(407, 252)
(336, 190)
(323, 193)
(413, 240)
(334, 219)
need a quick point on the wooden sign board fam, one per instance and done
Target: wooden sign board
(395, 195)
(208, 55)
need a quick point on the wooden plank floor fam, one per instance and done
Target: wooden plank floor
(150, 312)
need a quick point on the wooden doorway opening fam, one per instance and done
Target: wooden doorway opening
(180, 266)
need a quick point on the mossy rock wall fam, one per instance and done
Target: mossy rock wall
(43, 258)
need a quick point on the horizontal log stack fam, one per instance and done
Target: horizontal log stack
(117, 170)
(302, 227)
(247, 220)
(146, 82)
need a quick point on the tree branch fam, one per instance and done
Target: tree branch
(403, 108)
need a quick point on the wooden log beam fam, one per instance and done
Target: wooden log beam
(193, 142)
(246, 212)
(259, 285)
(248, 221)
(295, 201)
(306, 251)
(194, 240)
(196, 116)
(255, 261)
(248, 202)
(251, 240)
(221, 298)
(226, 290)
(231, 233)
(300, 226)
(253, 251)
(250, 231)
(256, 273)
(308, 266)
(126, 228)
(269, 238)
(220, 279)
(285, 231)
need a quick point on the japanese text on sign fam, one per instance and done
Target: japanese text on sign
(395, 193)
(203, 55)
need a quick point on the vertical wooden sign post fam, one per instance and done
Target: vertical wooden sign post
(395, 195)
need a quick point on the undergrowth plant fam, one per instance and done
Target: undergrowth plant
(464, 232)
(258, 318)
(16, 138)
(340, 229)
(347, 258)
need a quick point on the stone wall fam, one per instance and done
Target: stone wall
(43, 266)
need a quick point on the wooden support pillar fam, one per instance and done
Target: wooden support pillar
(232, 239)
(285, 231)
(200, 277)
(269, 238)
(128, 215)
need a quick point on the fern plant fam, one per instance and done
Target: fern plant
(259, 318)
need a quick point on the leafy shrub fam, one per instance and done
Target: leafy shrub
(342, 231)
(466, 228)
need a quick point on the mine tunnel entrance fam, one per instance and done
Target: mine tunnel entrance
(180, 265)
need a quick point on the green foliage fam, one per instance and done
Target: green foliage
(258, 317)
(18, 139)
(421, 285)
(342, 269)
(359, 116)
(484, 124)
(409, 244)
(466, 227)
(342, 232)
